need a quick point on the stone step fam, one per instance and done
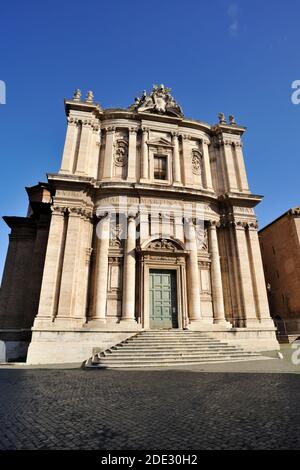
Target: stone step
(143, 357)
(171, 340)
(168, 363)
(169, 348)
(141, 349)
(171, 333)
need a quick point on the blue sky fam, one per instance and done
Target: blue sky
(234, 57)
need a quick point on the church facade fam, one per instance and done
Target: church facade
(148, 224)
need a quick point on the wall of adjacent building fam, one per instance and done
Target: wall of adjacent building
(281, 259)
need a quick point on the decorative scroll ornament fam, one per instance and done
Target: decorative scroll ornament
(121, 152)
(160, 101)
(196, 162)
(163, 244)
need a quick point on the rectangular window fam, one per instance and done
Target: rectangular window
(160, 167)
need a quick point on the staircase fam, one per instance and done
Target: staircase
(169, 348)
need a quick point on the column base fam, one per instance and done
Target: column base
(222, 323)
(96, 322)
(128, 321)
(267, 322)
(199, 325)
(253, 323)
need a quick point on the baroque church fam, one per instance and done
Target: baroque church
(148, 226)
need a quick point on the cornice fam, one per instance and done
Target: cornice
(93, 108)
(242, 199)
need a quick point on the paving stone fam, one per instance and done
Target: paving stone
(150, 410)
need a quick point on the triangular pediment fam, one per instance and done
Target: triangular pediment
(160, 142)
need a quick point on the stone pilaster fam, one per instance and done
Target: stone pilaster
(52, 269)
(83, 267)
(193, 278)
(68, 158)
(176, 159)
(206, 161)
(246, 282)
(108, 155)
(131, 165)
(241, 167)
(129, 281)
(84, 148)
(67, 306)
(230, 169)
(178, 227)
(187, 161)
(144, 225)
(260, 291)
(144, 155)
(101, 272)
(216, 277)
(95, 152)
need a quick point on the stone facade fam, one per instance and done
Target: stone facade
(280, 247)
(144, 191)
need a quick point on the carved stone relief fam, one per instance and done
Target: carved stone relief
(121, 152)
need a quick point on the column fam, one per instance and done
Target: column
(206, 161)
(101, 272)
(128, 304)
(52, 268)
(108, 154)
(241, 167)
(261, 296)
(144, 155)
(176, 159)
(231, 177)
(70, 146)
(193, 287)
(84, 148)
(187, 161)
(216, 277)
(246, 283)
(131, 162)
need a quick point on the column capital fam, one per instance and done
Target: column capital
(110, 129)
(238, 144)
(132, 214)
(80, 212)
(175, 134)
(239, 224)
(253, 226)
(58, 210)
(72, 121)
(133, 130)
(213, 224)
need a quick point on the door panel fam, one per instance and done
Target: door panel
(163, 301)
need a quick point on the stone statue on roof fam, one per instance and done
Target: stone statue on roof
(159, 101)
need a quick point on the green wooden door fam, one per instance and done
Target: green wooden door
(163, 302)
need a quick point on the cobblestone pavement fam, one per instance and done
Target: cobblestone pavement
(149, 410)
